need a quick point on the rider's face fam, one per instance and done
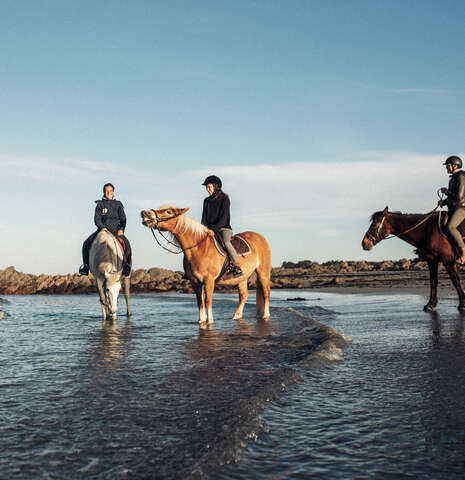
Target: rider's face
(210, 188)
(450, 168)
(109, 193)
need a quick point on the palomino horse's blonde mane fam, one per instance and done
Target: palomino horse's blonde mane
(186, 224)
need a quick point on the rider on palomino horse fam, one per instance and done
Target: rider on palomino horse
(216, 216)
(455, 203)
(109, 214)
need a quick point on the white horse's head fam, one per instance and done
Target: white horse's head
(112, 289)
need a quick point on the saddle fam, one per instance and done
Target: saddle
(240, 245)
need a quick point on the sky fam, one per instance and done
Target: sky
(315, 114)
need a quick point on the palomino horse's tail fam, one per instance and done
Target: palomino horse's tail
(263, 272)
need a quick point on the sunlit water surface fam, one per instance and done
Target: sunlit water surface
(157, 397)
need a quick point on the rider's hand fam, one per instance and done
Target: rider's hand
(211, 233)
(444, 191)
(120, 233)
(440, 202)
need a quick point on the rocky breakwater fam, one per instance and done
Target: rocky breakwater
(151, 280)
(304, 274)
(338, 273)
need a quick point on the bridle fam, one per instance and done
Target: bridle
(160, 220)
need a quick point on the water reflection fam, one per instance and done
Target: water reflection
(111, 345)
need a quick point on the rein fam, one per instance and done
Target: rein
(181, 250)
(374, 238)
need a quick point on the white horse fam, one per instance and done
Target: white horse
(106, 265)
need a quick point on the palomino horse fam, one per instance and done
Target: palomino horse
(203, 264)
(422, 232)
(106, 264)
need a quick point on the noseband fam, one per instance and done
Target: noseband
(374, 238)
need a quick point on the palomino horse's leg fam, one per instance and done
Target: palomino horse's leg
(243, 294)
(199, 293)
(101, 294)
(454, 276)
(433, 282)
(263, 292)
(127, 287)
(209, 288)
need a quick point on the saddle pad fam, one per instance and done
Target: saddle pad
(240, 245)
(121, 242)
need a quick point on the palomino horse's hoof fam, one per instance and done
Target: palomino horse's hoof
(428, 308)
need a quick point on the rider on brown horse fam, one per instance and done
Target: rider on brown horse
(455, 203)
(109, 214)
(216, 216)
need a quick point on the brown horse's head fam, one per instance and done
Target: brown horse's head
(378, 230)
(164, 218)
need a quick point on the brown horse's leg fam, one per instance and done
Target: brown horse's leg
(263, 292)
(243, 294)
(433, 282)
(454, 276)
(199, 291)
(209, 288)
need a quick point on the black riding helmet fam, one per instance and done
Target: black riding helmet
(214, 180)
(453, 160)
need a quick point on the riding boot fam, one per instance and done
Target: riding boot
(236, 270)
(84, 269)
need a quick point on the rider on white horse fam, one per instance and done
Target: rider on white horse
(109, 214)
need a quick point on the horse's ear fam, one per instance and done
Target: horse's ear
(386, 209)
(181, 211)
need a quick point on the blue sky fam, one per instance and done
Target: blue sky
(314, 113)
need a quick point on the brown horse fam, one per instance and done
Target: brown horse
(203, 263)
(422, 232)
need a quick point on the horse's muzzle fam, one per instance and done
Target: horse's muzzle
(146, 220)
(367, 244)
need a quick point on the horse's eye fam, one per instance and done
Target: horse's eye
(169, 212)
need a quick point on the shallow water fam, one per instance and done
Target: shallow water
(395, 408)
(154, 397)
(158, 398)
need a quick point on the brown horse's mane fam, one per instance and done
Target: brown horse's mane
(412, 216)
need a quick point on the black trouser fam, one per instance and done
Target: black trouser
(127, 257)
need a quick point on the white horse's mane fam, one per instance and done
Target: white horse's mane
(185, 223)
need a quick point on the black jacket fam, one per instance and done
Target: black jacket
(110, 214)
(216, 212)
(456, 191)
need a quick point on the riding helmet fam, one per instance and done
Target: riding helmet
(454, 160)
(214, 180)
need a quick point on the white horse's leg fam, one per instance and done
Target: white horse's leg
(127, 287)
(243, 294)
(199, 293)
(101, 294)
(209, 288)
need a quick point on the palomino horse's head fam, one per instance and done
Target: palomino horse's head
(164, 218)
(379, 229)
